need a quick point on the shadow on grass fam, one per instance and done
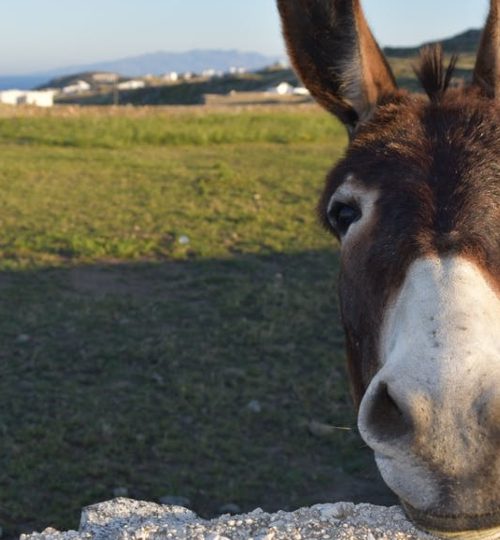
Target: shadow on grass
(196, 379)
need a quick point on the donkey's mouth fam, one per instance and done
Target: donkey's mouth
(462, 526)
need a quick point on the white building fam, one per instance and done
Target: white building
(38, 98)
(133, 84)
(10, 97)
(237, 70)
(301, 91)
(286, 89)
(42, 98)
(211, 73)
(173, 76)
(77, 87)
(282, 89)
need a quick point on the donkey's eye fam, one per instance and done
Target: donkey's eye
(341, 216)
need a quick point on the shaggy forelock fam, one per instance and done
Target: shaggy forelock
(431, 72)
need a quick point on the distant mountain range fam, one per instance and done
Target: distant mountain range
(197, 61)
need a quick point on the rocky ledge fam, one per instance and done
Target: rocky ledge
(126, 519)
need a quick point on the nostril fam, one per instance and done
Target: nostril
(385, 418)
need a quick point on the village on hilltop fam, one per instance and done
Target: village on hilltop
(113, 88)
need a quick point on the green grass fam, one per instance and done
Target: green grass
(128, 357)
(90, 188)
(126, 131)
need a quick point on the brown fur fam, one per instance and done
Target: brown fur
(434, 79)
(425, 158)
(487, 70)
(336, 56)
(435, 164)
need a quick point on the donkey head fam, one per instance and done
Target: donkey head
(415, 203)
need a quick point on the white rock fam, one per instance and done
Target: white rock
(336, 511)
(125, 519)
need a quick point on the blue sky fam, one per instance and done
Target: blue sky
(39, 35)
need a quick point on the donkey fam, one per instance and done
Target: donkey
(415, 204)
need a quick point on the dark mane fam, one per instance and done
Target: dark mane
(431, 73)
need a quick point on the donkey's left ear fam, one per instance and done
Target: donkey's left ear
(487, 70)
(337, 57)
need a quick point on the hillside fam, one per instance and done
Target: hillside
(464, 43)
(189, 93)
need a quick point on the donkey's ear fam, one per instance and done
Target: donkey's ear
(487, 70)
(336, 56)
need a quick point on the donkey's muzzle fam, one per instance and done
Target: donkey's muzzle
(432, 412)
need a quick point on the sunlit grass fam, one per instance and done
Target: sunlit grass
(90, 130)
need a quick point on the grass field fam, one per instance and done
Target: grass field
(168, 321)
